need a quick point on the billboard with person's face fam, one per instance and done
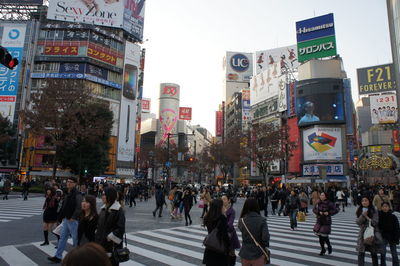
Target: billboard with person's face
(320, 101)
(383, 108)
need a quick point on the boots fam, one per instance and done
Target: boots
(322, 244)
(329, 245)
(46, 238)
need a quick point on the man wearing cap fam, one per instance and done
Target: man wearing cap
(70, 212)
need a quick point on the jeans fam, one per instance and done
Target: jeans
(293, 218)
(393, 250)
(159, 207)
(69, 228)
(361, 259)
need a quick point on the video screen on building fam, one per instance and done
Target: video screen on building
(320, 102)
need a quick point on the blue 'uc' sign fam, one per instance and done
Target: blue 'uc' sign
(239, 62)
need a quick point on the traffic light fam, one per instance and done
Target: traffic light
(191, 159)
(6, 59)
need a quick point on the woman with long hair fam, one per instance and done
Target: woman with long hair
(366, 214)
(206, 197)
(216, 219)
(251, 218)
(324, 210)
(230, 216)
(111, 225)
(88, 220)
(50, 207)
(187, 204)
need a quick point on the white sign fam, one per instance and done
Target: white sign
(266, 85)
(282, 98)
(238, 66)
(104, 13)
(127, 114)
(322, 143)
(384, 109)
(284, 58)
(331, 169)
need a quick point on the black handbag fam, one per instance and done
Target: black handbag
(121, 254)
(212, 242)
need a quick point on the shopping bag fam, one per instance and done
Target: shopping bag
(201, 204)
(369, 235)
(301, 217)
(58, 229)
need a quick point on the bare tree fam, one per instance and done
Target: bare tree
(266, 143)
(52, 109)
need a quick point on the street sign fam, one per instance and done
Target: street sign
(168, 164)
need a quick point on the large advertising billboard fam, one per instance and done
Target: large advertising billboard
(146, 105)
(383, 108)
(266, 85)
(127, 117)
(124, 14)
(284, 58)
(320, 101)
(376, 79)
(219, 127)
(322, 143)
(13, 39)
(238, 66)
(185, 113)
(316, 38)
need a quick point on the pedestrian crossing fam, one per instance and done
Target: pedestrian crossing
(16, 208)
(183, 245)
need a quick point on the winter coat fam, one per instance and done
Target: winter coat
(234, 239)
(86, 229)
(378, 200)
(211, 257)
(258, 227)
(111, 227)
(315, 197)
(71, 208)
(292, 203)
(7, 186)
(206, 197)
(362, 222)
(187, 201)
(160, 197)
(324, 222)
(389, 227)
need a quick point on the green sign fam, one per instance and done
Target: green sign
(317, 48)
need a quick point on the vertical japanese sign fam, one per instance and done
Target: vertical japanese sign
(13, 39)
(218, 124)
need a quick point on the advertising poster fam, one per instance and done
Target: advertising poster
(102, 13)
(265, 85)
(376, 79)
(282, 97)
(291, 98)
(168, 112)
(13, 40)
(185, 113)
(127, 115)
(284, 58)
(238, 66)
(383, 108)
(316, 38)
(246, 108)
(134, 18)
(294, 136)
(146, 105)
(322, 143)
(218, 124)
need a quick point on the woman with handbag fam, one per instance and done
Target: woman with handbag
(111, 226)
(367, 218)
(50, 213)
(216, 252)
(230, 214)
(255, 235)
(88, 220)
(324, 210)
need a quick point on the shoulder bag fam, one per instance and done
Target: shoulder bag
(212, 242)
(121, 254)
(369, 235)
(265, 250)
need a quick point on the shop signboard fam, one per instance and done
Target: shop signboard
(376, 79)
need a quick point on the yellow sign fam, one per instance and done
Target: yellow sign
(375, 162)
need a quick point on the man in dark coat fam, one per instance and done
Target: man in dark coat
(6, 188)
(160, 201)
(70, 212)
(262, 198)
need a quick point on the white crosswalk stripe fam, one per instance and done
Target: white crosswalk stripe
(183, 245)
(16, 208)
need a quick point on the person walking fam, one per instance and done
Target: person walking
(70, 213)
(25, 189)
(292, 207)
(381, 198)
(303, 202)
(368, 214)
(315, 196)
(215, 218)
(389, 227)
(230, 214)
(274, 201)
(50, 207)
(324, 210)
(6, 188)
(262, 197)
(340, 198)
(282, 197)
(177, 213)
(132, 194)
(111, 226)
(206, 197)
(88, 220)
(253, 225)
(160, 200)
(187, 204)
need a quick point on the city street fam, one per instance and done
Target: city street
(162, 241)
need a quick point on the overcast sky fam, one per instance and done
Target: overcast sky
(187, 40)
